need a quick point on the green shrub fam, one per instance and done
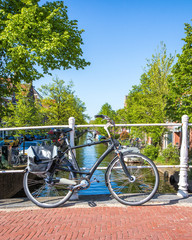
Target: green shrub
(151, 151)
(116, 136)
(170, 155)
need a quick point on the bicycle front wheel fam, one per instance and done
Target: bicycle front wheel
(145, 179)
(44, 193)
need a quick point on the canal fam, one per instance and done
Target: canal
(87, 156)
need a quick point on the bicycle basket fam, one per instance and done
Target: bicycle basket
(40, 158)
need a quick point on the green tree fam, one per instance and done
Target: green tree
(35, 39)
(60, 103)
(26, 111)
(180, 97)
(146, 102)
(106, 109)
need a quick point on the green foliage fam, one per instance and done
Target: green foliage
(116, 136)
(121, 116)
(124, 142)
(39, 35)
(60, 103)
(169, 155)
(34, 36)
(151, 151)
(179, 101)
(146, 102)
(107, 110)
(26, 111)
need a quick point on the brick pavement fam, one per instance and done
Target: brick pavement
(103, 223)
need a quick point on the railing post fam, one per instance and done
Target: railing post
(72, 138)
(71, 122)
(183, 191)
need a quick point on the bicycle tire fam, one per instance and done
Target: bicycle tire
(47, 195)
(142, 189)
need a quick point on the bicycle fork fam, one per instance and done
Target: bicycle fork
(130, 177)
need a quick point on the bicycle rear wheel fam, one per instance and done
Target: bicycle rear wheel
(145, 179)
(44, 193)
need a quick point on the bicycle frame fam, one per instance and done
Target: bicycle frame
(111, 147)
(89, 174)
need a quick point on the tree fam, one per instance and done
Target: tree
(180, 98)
(107, 110)
(35, 39)
(25, 112)
(60, 103)
(146, 102)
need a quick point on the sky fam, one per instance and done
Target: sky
(119, 37)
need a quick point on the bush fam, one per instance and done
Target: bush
(116, 136)
(125, 143)
(151, 152)
(170, 155)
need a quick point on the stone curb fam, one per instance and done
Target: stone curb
(97, 201)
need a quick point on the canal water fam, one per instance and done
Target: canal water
(87, 156)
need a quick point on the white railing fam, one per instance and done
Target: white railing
(183, 185)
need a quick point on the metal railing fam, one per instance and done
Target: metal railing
(183, 185)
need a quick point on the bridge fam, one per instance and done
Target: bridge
(182, 185)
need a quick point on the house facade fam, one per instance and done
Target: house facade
(172, 136)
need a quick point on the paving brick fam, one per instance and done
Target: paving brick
(105, 223)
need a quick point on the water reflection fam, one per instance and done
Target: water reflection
(86, 157)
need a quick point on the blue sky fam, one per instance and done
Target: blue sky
(119, 37)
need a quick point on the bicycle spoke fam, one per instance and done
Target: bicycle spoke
(38, 191)
(44, 194)
(35, 182)
(138, 191)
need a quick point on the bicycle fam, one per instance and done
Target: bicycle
(19, 159)
(131, 178)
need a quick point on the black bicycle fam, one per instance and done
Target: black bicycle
(51, 178)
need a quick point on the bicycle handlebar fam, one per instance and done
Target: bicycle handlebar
(102, 116)
(105, 118)
(109, 122)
